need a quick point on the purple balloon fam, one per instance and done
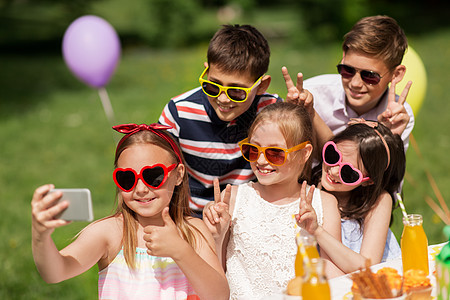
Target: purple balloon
(91, 50)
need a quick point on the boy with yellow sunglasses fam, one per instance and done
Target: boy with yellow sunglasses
(210, 120)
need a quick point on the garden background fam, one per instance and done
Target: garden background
(53, 128)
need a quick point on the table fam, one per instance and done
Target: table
(341, 286)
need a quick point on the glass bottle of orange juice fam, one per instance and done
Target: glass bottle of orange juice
(414, 244)
(315, 285)
(306, 244)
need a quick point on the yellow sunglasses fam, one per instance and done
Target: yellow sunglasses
(234, 93)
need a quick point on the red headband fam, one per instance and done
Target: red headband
(373, 125)
(130, 129)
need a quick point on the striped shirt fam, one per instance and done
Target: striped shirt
(210, 145)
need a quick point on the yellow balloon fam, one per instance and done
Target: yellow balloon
(415, 71)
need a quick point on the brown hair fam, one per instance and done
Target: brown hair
(295, 125)
(372, 153)
(379, 36)
(179, 209)
(239, 48)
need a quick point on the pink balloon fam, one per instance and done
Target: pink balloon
(91, 50)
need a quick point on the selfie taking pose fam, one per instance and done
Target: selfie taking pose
(153, 249)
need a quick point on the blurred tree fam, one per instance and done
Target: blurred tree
(328, 20)
(39, 23)
(171, 22)
(30, 26)
(213, 3)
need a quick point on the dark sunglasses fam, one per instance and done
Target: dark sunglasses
(153, 176)
(369, 77)
(235, 94)
(274, 155)
(348, 174)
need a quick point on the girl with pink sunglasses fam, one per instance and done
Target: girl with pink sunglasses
(362, 167)
(150, 248)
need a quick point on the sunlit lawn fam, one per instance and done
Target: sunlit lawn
(54, 130)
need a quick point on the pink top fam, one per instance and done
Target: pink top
(154, 278)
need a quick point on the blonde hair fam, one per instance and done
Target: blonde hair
(295, 125)
(179, 209)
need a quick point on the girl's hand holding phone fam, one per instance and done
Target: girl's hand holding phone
(44, 209)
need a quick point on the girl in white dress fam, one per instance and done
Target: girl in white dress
(252, 223)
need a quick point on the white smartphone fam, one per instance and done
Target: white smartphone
(80, 205)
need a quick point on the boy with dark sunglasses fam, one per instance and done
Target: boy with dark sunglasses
(210, 120)
(372, 54)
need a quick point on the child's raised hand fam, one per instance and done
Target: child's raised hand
(307, 218)
(163, 240)
(296, 94)
(395, 117)
(44, 210)
(216, 215)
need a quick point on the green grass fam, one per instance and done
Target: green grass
(54, 130)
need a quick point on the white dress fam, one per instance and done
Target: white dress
(261, 250)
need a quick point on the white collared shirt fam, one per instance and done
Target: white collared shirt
(330, 104)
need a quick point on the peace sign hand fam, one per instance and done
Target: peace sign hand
(307, 217)
(296, 94)
(395, 117)
(216, 214)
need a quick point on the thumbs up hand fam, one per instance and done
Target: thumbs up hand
(163, 240)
